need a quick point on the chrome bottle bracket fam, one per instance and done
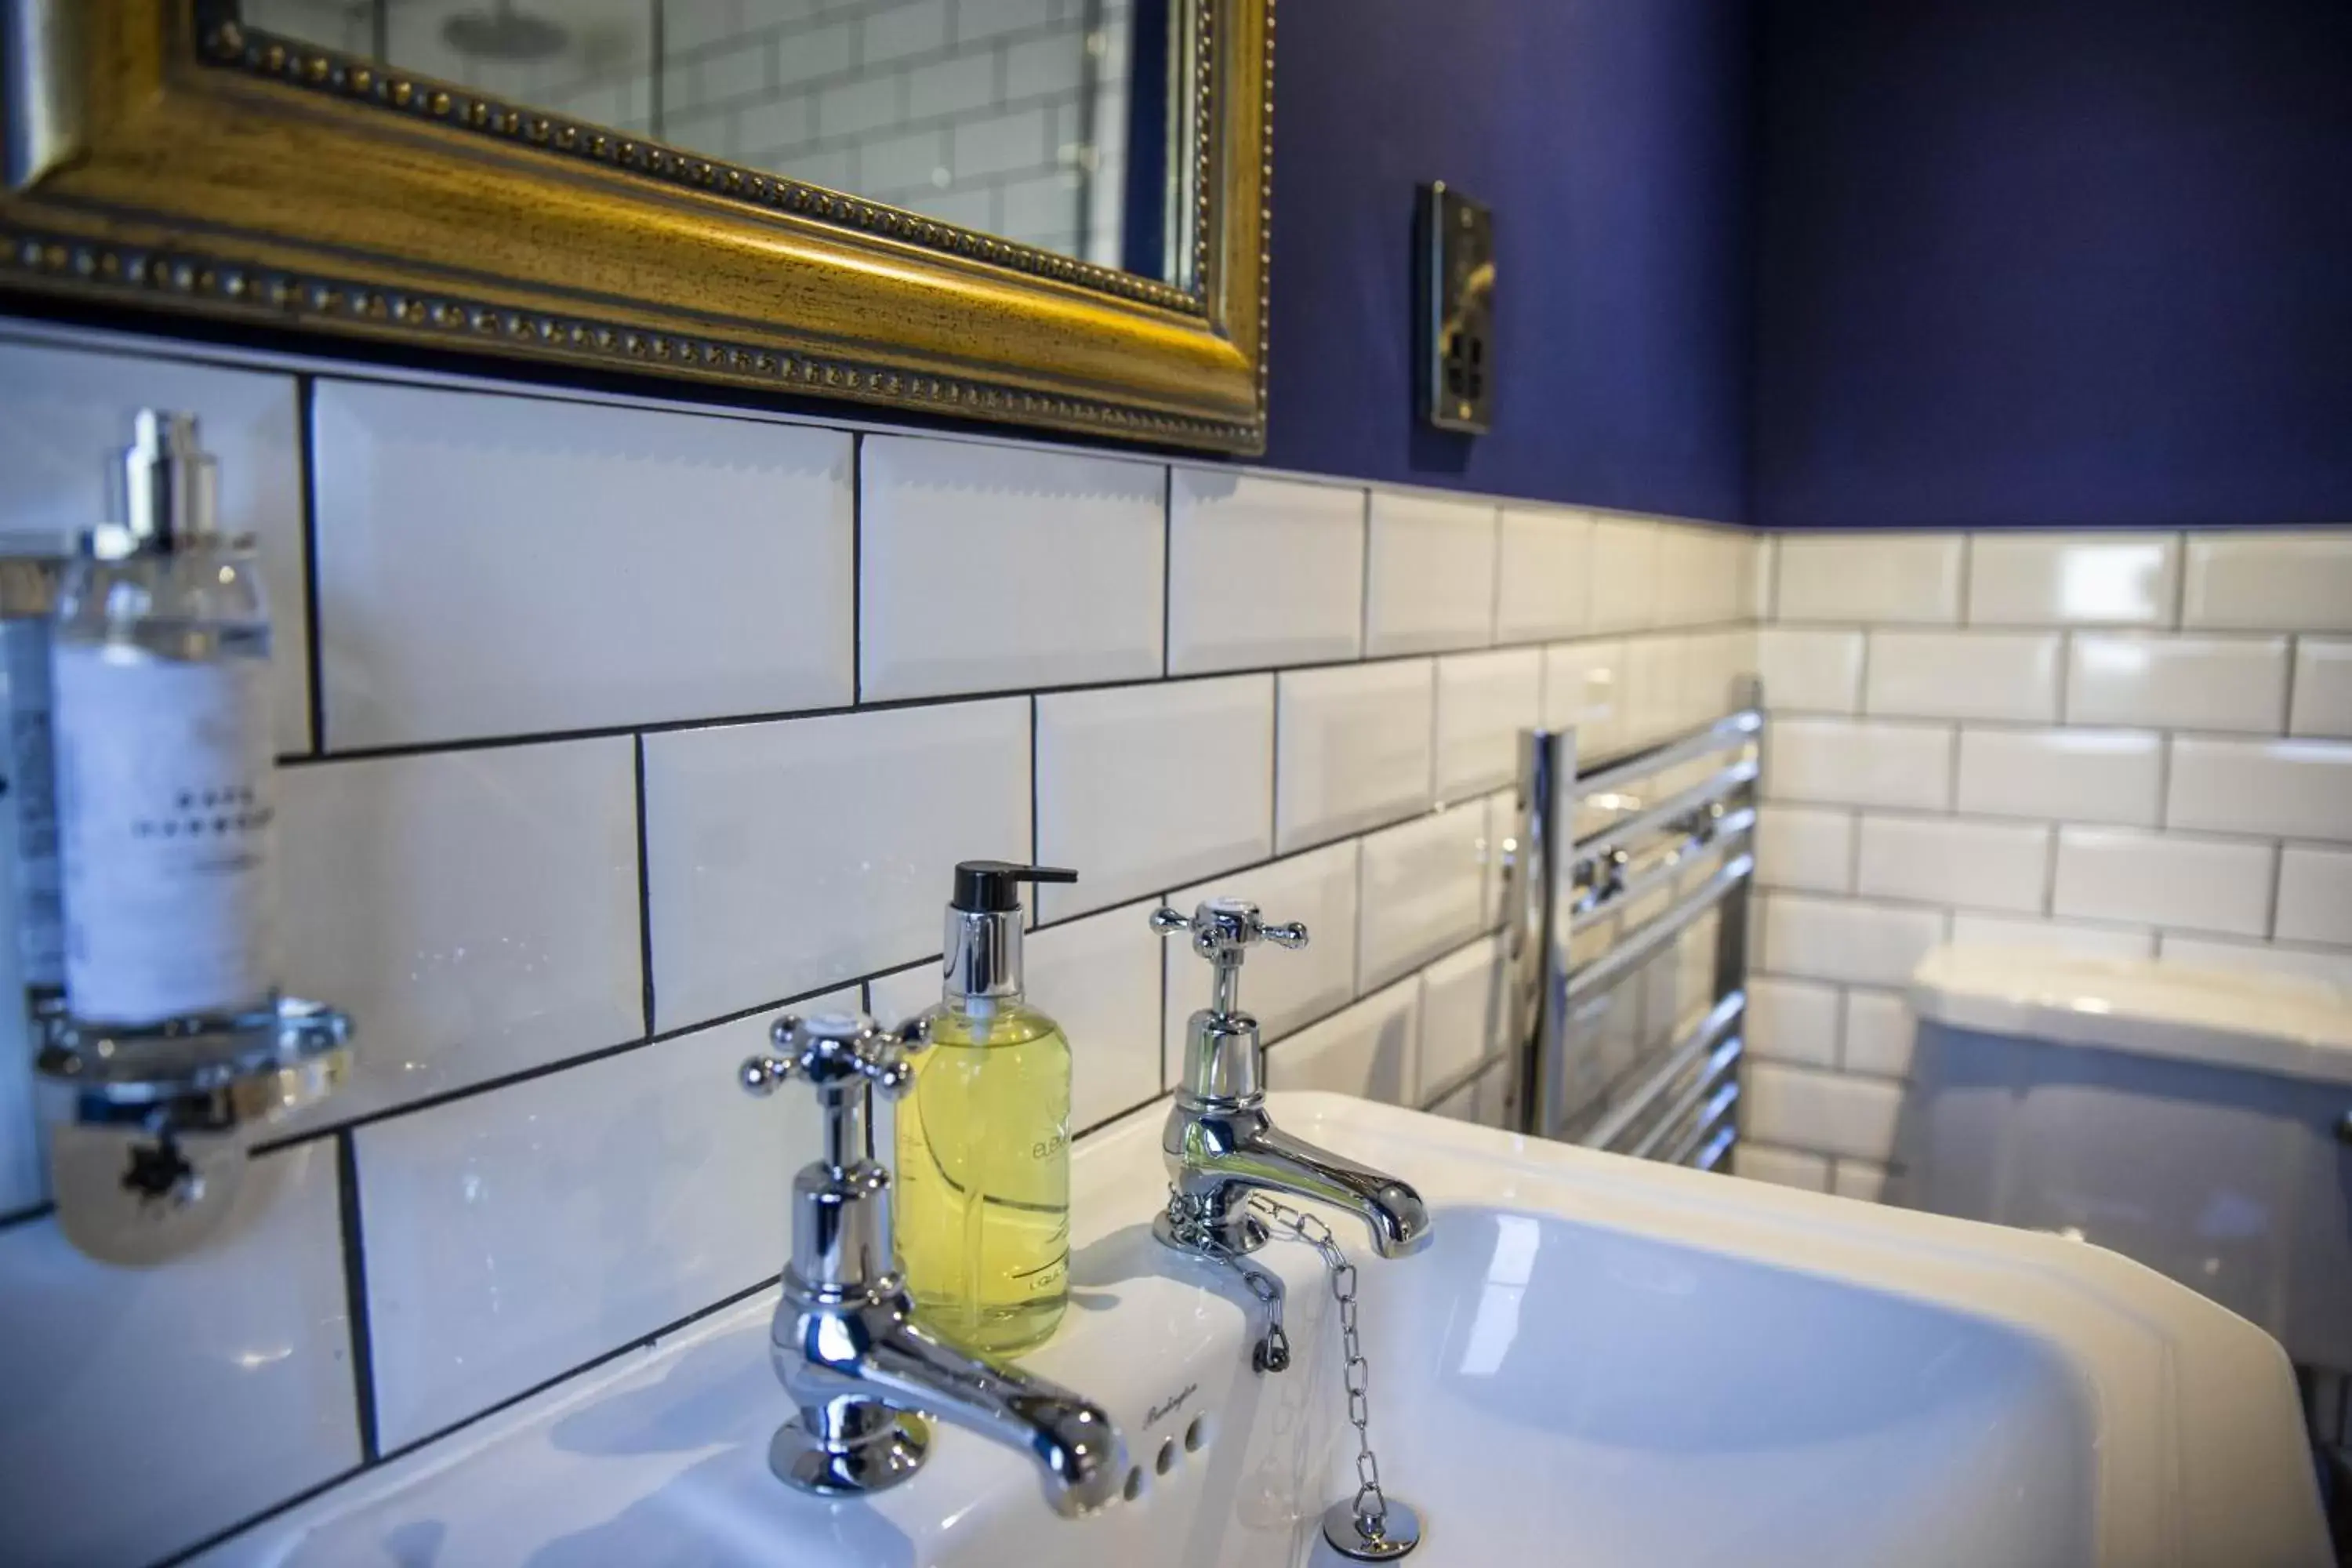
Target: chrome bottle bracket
(149, 1129)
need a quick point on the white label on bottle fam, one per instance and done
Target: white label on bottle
(164, 798)
(33, 777)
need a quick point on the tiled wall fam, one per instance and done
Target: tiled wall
(611, 728)
(1004, 115)
(2138, 744)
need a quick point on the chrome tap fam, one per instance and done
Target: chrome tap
(844, 1341)
(1218, 1143)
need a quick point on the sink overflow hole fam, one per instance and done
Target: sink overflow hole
(1134, 1487)
(1194, 1436)
(1167, 1460)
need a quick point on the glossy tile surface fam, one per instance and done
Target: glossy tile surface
(615, 515)
(2322, 687)
(1421, 891)
(2063, 775)
(1879, 1034)
(1371, 1049)
(1963, 675)
(2315, 895)
(1464, 1014)
(1625, 574)
(1809, 670)
(957, 542)
(1807, 848)
(2171, 880)
(1938, 860)
(1282, 988)
(789, 856)
(1120, 777)
(516, 1235)
(1912, 578)
(2025, 579)
(1543, 582)
(1792, 1020)
(1099, 978)
(1580, 692)
(2187, 682)
(1782, 1167)
(1430, 578)
(1846, 1116)
(1978, 930)
(1353, 749)
(1262, 571)
(2289, 582)
(1817, 938)
(1841, 762)
(149, 1407)
(65, 417)
(1484, 700)
(2294, 789)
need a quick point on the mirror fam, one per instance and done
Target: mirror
(1042, 122)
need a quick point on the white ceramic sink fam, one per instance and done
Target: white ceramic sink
(1596, 1361)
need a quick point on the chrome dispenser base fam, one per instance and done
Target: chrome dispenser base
(147, 1127)
(1399, 1533)
(883, 1446)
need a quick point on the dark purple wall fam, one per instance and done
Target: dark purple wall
(2034, 262)
(1610, 138)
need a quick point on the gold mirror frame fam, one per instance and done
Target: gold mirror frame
(158, 153)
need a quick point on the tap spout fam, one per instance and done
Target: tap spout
(1217, 1155)
(851, 1366)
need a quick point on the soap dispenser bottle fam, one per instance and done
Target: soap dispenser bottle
(983, 1136)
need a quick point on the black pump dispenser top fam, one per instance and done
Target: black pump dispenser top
(993, 887)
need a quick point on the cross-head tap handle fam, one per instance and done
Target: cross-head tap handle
(1223, 930)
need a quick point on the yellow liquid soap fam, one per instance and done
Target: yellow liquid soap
(983, 1177)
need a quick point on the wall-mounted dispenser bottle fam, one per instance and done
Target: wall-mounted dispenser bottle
(173, 1038)
(983, 1134)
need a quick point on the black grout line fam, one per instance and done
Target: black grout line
(307, 478)
(645, 892)
(355, 1295)
(284, 1505)
(1035, 809)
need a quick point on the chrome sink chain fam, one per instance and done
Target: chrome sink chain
(1371, 1505)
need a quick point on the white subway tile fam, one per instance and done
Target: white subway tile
(2072, 578)
(221, 1382)
(1879, 1034)
(1963, 675)
(1752, 570)
(1697, 582)
(1974, 929)
(611, 565)
(1865, 1180)
(1545, 573)
(2296, 789)
(1782, 1167)
(1807, 848)
(1652, 690)
(1463, 1013)
(986, 568)
(1282, 988)
(1099, 979)
(1809, 670)
(2166, 879)
(1353, 749)
(1846, 1116)
(2065, 776)
(478, 908)
(2187, 683)
(1423, 891)
(2322, 687)
(64, 419)
(1946, 860)
(786, 857)
(2315, 900)
(1262, 571)
(1118, 786)
(2281, 581)
(1718, 671)
(1368, 1050)
(1625, 571)
(1844, 762)
(514, 1234)
(2324, 966)
(1846, 939)
(1793, 1021)
(1484, 700)
(1430, 580)
(1580, 690)
(1911, 578)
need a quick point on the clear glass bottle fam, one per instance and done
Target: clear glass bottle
(160, 672)
(984, 1136)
